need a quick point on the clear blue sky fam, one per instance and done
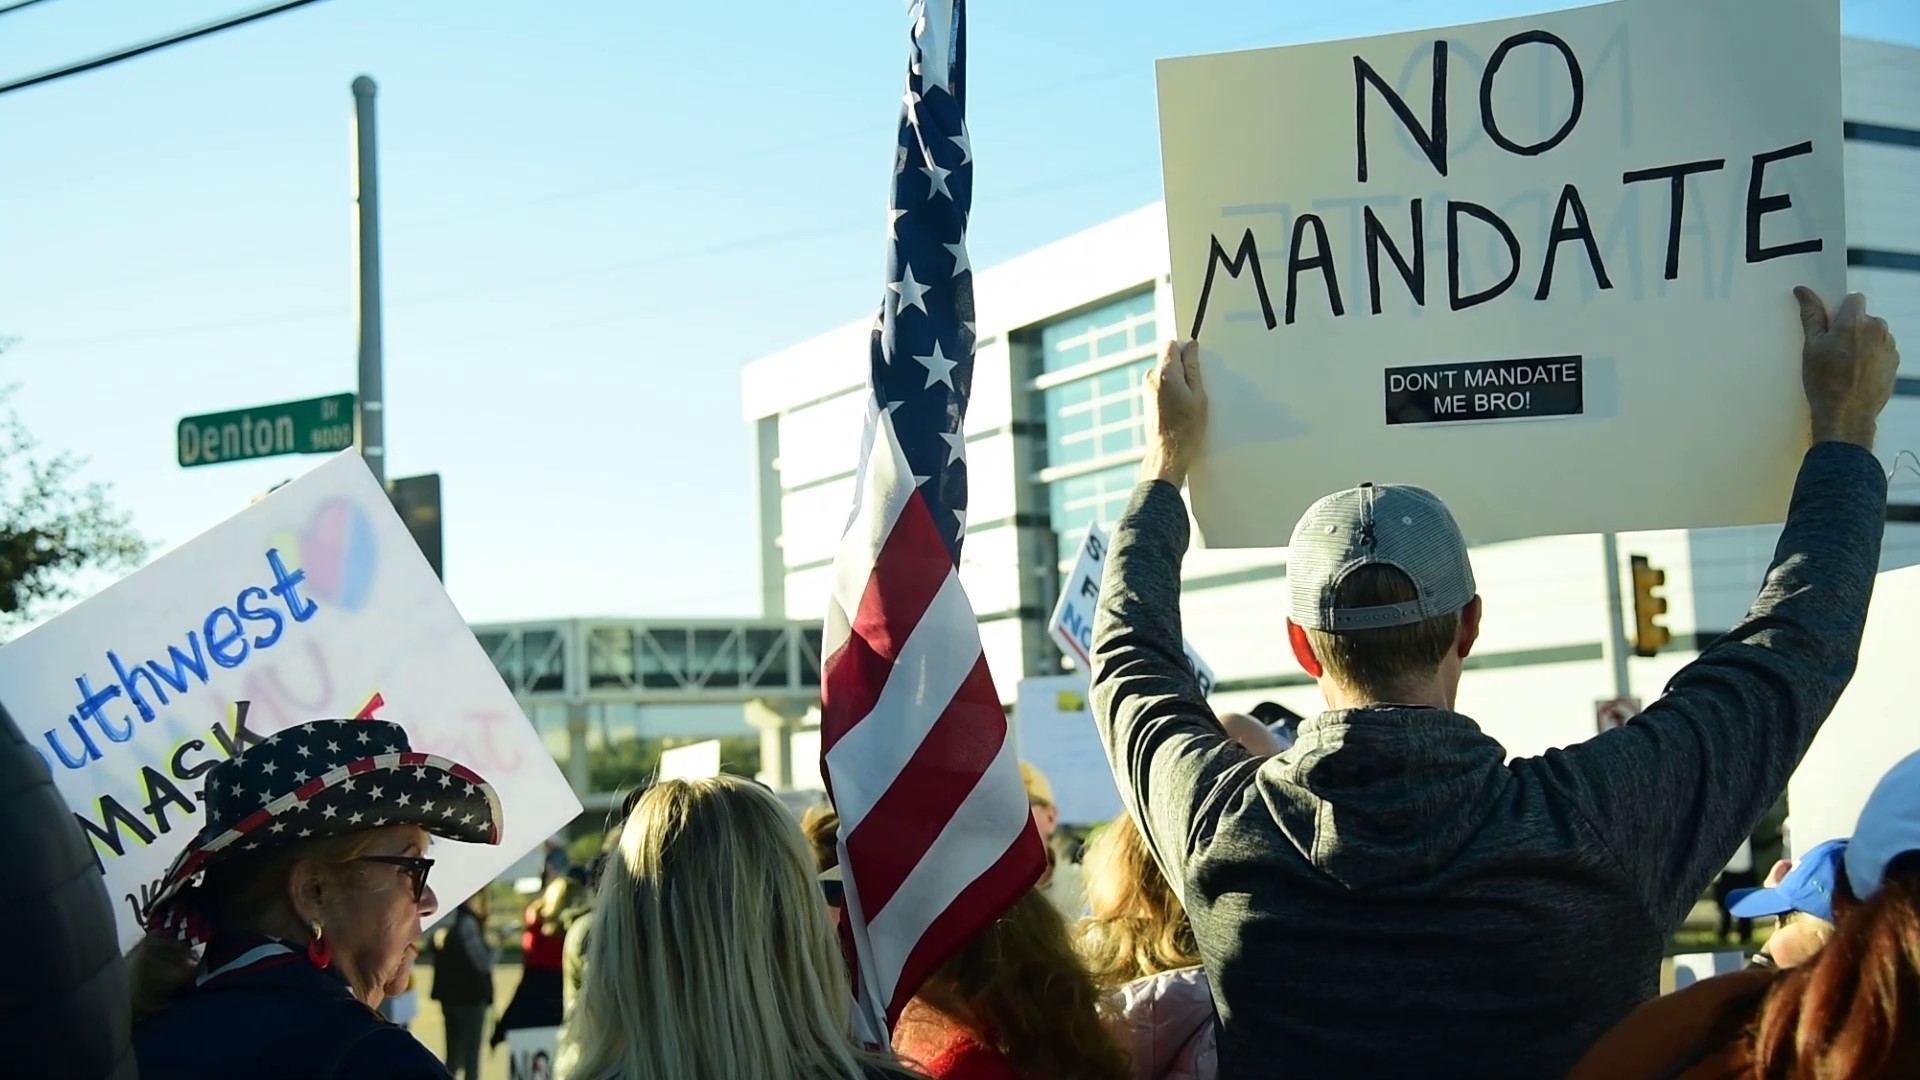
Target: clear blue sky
(596, 213)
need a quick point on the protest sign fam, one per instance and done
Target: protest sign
(1056, 733)
(312, 603)
(1541, 266)
(694, 761)
(531, 1053)
(1872, 726)
(1072, 622)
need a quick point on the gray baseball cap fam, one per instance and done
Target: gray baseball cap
(1386, 524)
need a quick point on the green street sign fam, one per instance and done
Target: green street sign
(315, 426)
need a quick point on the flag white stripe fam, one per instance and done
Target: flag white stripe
(885, 484)
(936, 659)
(979, 833)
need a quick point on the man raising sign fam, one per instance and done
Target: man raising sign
(1391, 897)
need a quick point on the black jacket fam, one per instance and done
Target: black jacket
(261, 1010)
(64, 1009)
(462, 963)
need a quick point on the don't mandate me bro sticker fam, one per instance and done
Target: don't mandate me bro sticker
(1487, 390)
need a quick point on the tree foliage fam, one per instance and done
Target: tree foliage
(52, 525)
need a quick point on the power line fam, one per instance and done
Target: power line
(18, 4)
(140, 50)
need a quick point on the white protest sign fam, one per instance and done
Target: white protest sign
(1056, 733)
(531, 1053)
(1072, 622)
(1541, 266)
(1872, 726)
(312, 603)
(695, 761)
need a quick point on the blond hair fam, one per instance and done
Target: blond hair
(1138, 925)
(711, 952)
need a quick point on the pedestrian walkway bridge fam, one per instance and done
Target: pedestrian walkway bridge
(581, 669)
(656, 661)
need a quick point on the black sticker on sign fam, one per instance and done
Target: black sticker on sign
(1485, 390)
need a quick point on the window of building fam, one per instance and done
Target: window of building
(1097, 416)
(1090, 384)
(1100, 334)
(1093, 365)
(1095, 497)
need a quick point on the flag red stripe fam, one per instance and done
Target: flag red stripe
(850, 684)
(912, 566)
(895, 835)
(986, 898)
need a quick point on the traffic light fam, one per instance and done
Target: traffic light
(417, 498)
(1648, 634)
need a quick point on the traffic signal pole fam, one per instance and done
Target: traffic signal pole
(366, 203)
(1615, 644)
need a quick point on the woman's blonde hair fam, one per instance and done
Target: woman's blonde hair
(245, 892)
(711, 952)
(1138, 925)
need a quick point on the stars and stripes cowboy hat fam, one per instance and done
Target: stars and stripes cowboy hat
(322, 778)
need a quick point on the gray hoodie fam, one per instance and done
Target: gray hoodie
(1391, 897)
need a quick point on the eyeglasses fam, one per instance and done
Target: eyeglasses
(416, 868)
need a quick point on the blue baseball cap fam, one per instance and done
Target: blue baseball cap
(1889, 827)
(1808, 887)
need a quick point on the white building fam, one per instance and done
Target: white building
(1054, 437)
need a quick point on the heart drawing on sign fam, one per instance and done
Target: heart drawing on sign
(339, 552)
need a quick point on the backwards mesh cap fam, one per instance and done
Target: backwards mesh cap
(1390, 525)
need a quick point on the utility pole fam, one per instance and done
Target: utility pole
(366, 203)
(1615, 645)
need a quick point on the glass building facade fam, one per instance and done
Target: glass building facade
(1092, 366)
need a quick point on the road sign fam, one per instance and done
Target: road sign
(1612, 714)
(314, 426)
(418, 500)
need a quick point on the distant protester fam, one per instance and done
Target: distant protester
(578, 922)
(712, 954)
(1799, 895)
(463, 984)
(540, 999)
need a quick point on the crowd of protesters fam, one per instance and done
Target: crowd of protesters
(1377, 891)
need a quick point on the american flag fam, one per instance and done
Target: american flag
(936, 838)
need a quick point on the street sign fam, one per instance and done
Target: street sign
(1612, 714)
(314, 426)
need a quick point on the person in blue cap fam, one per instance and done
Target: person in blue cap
(1800, 896)
(1849, 1009)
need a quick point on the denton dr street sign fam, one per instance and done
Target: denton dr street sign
(313, 426)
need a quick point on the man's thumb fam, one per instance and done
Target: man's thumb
(1813, 313)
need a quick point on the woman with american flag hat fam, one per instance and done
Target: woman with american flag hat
(304, 894)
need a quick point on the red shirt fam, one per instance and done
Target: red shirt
(542, 950)
(945, 1050)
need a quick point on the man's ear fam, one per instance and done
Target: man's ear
(1303, 650)
(1469, 627)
